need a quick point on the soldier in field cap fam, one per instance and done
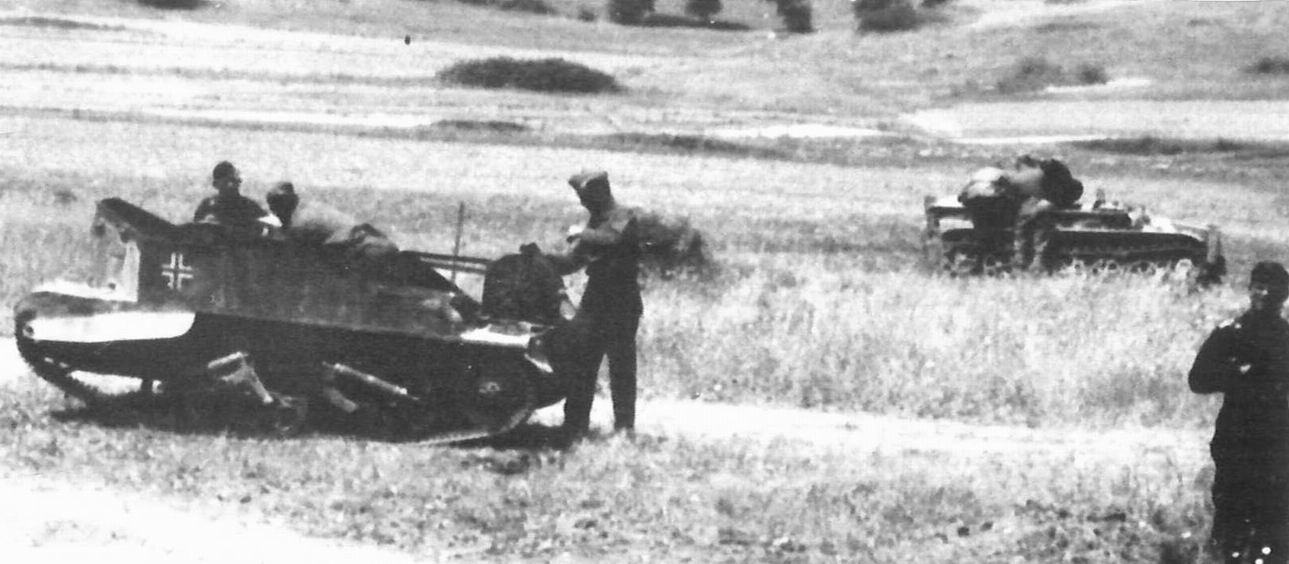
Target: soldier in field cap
(609, 315)
(228, 206)
(1247, 361)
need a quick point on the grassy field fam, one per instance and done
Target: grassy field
(655, 499)
(819, 303)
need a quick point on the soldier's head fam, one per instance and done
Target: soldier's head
(282, 201)
(225, 178)
(592, 187)
(1268, 286)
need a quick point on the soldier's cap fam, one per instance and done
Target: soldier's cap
(282, 194)
(281, 189)
(589, 179)
(1272, 274)
(223, 170)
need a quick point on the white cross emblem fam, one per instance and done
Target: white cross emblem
(177, 272)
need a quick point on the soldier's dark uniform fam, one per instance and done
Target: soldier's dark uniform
(609, 314)
(1247, 360)
(229, 207)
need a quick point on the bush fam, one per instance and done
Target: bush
(671, 246)
(527, 6)
(1030, 73)
(704, 9)
(629, 12)
(1036, 73)
(174, 4)
(671, 20)
(885, 15)
(797, 15)
(540, 75)
(1270, 65)
(1089, 73)
(586, 14)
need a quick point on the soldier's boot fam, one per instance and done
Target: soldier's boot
(577, 407)
(622, 384)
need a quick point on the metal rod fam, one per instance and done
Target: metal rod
(373, 381)
(456, 247)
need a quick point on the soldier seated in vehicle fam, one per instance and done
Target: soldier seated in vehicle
(316, 223)
(228, 206)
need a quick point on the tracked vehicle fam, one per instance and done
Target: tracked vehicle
(1099, 236)
(280, 334)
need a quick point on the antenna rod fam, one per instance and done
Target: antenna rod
(456, 247)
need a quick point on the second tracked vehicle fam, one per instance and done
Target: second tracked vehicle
(1099, 236)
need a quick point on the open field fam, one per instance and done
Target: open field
(819, 308)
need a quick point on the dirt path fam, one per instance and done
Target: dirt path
(48, 520)
(1014, 13)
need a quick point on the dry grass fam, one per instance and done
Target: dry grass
(807, 249)
(655, 499)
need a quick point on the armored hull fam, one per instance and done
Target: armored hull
(301, 332)
(1102, 238)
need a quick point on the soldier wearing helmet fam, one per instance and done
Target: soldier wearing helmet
(609, 314)
(228, 206)
(1247, 360)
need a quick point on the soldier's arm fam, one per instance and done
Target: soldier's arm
(608, 233)
(203, 210)
(1215, 364)
(567, 263)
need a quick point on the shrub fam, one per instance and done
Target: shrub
(885, 15)
(1036, 73)
(671, 246)
(629, 12)
(704, 9)
(797, 15)
(1270, 65)
(1091, 73)
(586, 14)
(528, 6)
(671, 20)
(540, 75)
(1031, 73)
(174, 4)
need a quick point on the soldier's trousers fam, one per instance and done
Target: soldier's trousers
(614, 337)
(1033, 234)
(1251, 497)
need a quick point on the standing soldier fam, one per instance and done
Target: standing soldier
(1247, 360)
(607, 319)
(228, 206)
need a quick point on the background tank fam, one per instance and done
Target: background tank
(295, 332)
(1098, 236)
